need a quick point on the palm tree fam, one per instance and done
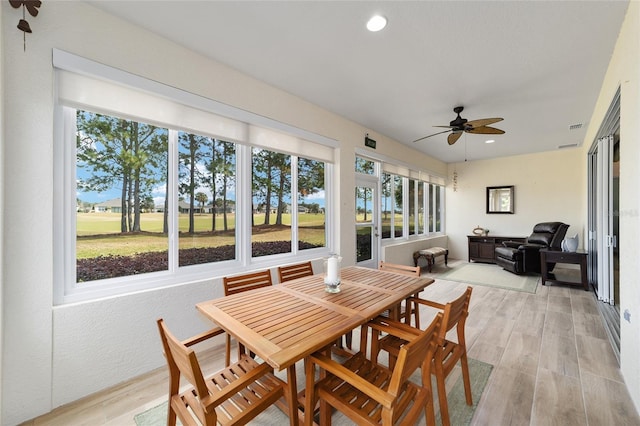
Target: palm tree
(202, 198)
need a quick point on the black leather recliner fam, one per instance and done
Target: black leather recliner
(521, 258)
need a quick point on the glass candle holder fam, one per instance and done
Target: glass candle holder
(332, 273)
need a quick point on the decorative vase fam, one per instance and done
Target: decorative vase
(332, 273)
(570, 244)
(478, 230)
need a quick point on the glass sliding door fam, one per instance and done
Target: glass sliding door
(603, 220)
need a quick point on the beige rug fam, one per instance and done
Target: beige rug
(460, 413)
(491, 275)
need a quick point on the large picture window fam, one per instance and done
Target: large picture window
(206, 199)
(121, 173)
(147, 203)
(417, 202)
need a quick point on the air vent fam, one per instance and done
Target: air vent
(575, 126)
(569, 145)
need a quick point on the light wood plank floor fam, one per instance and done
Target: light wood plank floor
(553, 364)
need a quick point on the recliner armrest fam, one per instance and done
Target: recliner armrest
(511, 244)
(531, 247)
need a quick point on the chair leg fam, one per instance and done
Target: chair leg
(349, 339)
(442, 394)
(429, 413)
(325, 413)
(309, 394)
(375, 348)
(227, 352)
(171, 416)
(466, 378)
(364, 337)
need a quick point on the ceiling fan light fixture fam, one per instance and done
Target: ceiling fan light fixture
(490, 141)
(376, 23)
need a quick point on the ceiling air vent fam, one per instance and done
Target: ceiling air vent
(569, 145)
(575, 126)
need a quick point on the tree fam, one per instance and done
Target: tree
(124, 154)
(190, 154)
(228, 177)
(310, 177)
(221, 165)
(148, 205)
(202, 198)
(271, 181)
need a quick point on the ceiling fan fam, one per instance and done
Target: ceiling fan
(460, 125)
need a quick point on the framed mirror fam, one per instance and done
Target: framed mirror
(500, 199)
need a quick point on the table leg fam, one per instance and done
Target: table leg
(293, 395)
(583, 273)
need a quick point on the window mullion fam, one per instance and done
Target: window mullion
(172, 193)
(405, 207)
(244, 203)
(294, 204)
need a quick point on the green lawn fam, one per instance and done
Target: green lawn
(99, 233)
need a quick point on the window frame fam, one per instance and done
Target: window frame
(66, 290)
(407, 173)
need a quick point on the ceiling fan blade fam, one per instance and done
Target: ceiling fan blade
(439, 133)
(448, 127)
(483, 122)
(453, 137)
(486, 130)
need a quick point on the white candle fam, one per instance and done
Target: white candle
(332, 270)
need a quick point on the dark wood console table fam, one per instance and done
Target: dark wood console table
(483, 248)
(557, 256)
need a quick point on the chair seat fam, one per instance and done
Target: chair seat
(508, 253)
(262, 392)
(232, 396)
(448, 353)
(433, 251)
(337, 392)
(524, 257)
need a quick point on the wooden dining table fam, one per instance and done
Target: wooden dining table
(287, 322)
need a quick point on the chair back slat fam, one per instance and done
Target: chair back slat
(182, 360)
(456, 312)
(291, 272)
(416, 354)
(246, 282)
(399, 269)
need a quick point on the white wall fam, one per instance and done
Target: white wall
(548, 187)
(52, 356)
(2, 143)
(402, 253)
(623, 72)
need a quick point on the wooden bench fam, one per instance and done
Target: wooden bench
(430, 255)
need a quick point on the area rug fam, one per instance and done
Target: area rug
(459, 412)
(491, 275)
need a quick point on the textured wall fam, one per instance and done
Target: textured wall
(52, 356)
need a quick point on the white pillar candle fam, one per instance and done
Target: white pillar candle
(332, 270)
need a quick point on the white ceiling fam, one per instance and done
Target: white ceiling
(537, 64)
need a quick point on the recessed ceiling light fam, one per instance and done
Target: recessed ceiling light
(489, 141)
(376, 23)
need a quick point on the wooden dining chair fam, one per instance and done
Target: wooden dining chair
(402, 312)
(291, 272)
(369, 393)
(238, 284)
(399, 269)
(449, 352)
(234, 395)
